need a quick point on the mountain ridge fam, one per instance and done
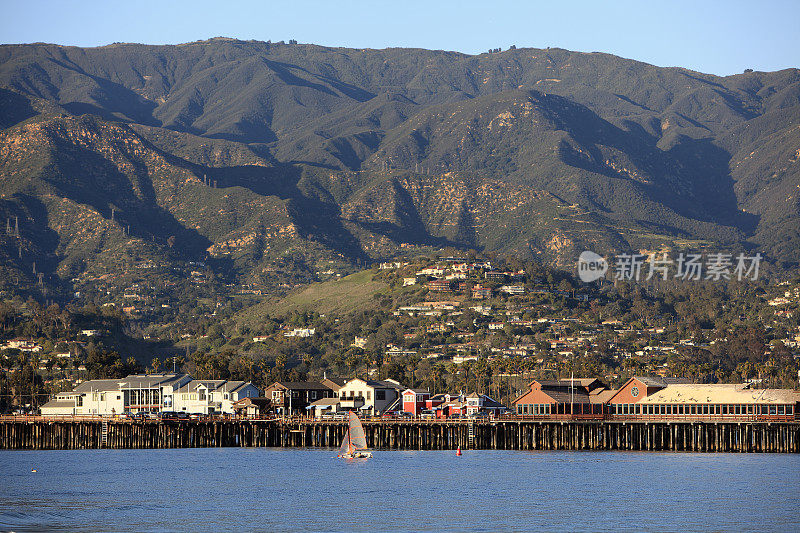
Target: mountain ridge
(361, 154)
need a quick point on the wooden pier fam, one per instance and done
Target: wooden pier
(43, 434)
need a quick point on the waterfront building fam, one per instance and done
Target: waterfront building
(249, 407)
(109, 397)
(211, 396)
(579, 396)
(325, 406)
(719, 401)
(292, 397)
(369, 396)
(636, 389)
(466, 405)
(414, 400)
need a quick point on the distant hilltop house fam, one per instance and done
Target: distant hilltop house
(435, 272)
(513, 289)
(481, 293)
(149, 393)
(494, 275)
(359, 342)
(391, 265)
(300, 332)
(22, 345)
(439, 285)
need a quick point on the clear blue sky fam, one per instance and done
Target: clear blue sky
(719, 37)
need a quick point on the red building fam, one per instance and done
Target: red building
(636, 389)
(415, 400)
(579, 396)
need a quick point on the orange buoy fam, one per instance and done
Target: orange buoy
(458, 451)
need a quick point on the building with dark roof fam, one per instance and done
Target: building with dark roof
(292, 397)
(564, 396)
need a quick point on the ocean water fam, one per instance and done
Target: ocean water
(267, 489)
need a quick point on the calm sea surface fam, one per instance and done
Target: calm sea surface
(266, 489)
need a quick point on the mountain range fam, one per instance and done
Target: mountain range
(260, 157)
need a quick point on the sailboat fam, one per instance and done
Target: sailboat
(354, 445)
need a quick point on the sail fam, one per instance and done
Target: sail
(346, 447)
(357, 436)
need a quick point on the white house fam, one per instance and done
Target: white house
(300, 332)
(147, 393)
(209, 396)
(368, 396)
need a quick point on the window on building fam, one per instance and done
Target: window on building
(780, 410)
(789, 409)
(380, 394)
(368, 394)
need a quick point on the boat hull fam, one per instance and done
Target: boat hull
(356, 455)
